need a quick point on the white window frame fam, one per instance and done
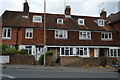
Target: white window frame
(87, 37)
(64, 33)
(101, 22)
(108, 35)
(74, 51)
(112, 52)
(35, 16)
(29, 31)
(82, 21)
(6, 36)
(59, 22)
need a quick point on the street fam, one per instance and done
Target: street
(29, 73)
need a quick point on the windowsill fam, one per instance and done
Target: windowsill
(61, 38)
(6, 38)
(28, 38)
(37, 21)
(106, 39)
(84, 39)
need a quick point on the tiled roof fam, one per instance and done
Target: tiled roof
(15, 19)
(113, 18)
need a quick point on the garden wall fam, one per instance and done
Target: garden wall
(79, 62)
(22, 59)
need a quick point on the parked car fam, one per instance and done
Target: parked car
(116, 65)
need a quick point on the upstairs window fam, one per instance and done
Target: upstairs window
(61, 34)
(101, 22)
(59, 21)
(29, 33)
(84, 35)
(81, 22)
(106, 35)
(37, 18)
(6, 33)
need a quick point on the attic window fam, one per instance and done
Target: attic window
(59, 21)
(81, 22)
(37, 18)
(101, 22)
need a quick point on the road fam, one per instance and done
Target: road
(29, 73)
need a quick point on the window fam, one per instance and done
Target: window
(101, 22)
(29, 49)
(84, 35)
(81, 22)
(6, 33)
(37, 18)
(71, 51)
(66, 51)
(106, 35)
(29, 33)
(60, 34)
(114, 52)
(59, 21)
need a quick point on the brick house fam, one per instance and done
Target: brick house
(66, 34)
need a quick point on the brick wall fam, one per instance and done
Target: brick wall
(22, 59)
(78, 62)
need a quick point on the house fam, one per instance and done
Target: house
(64, 34)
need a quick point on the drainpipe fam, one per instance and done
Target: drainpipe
(16, 46)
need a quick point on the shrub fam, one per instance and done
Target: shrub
(10, 51)
(23, 52)
(49, 53)
(41, 59)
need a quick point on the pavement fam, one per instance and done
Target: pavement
(59, 68)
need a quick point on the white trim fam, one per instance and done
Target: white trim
(35, 16)
(86, 37)
(59, 19)
(84, 46)
(28, 30)
(82, 21)
(106, 33)
(65, 32)
(6, 37)
(101, 22)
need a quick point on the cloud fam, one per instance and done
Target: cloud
(79, 7)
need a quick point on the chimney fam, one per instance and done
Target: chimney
(103, 13)
(26, 8)
(68, 11)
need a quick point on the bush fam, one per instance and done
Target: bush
(10, 51)
(41, 59)
(49, 53)
(23, 52)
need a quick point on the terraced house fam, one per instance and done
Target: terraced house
(64, 34)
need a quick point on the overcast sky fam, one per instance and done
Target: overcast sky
(78, 7)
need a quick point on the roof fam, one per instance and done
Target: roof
(15, 19)
(113, 18)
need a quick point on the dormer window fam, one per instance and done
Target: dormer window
(81, 22)
(59, 21)
(37, 18)
(101, 22)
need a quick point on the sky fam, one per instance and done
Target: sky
(78, 7)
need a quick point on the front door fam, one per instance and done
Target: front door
(91, 52)
(102, 52)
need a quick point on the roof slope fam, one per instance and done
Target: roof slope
(15, 19)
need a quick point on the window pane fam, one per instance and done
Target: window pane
(71, 51)
(85, 51)
(8, 35)
(31, 35)
(62, 51)
(77, 51)
(81, 52)
(115, 53)
(66, 52)
(4, 32)
(111, 52)
(119, 52)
